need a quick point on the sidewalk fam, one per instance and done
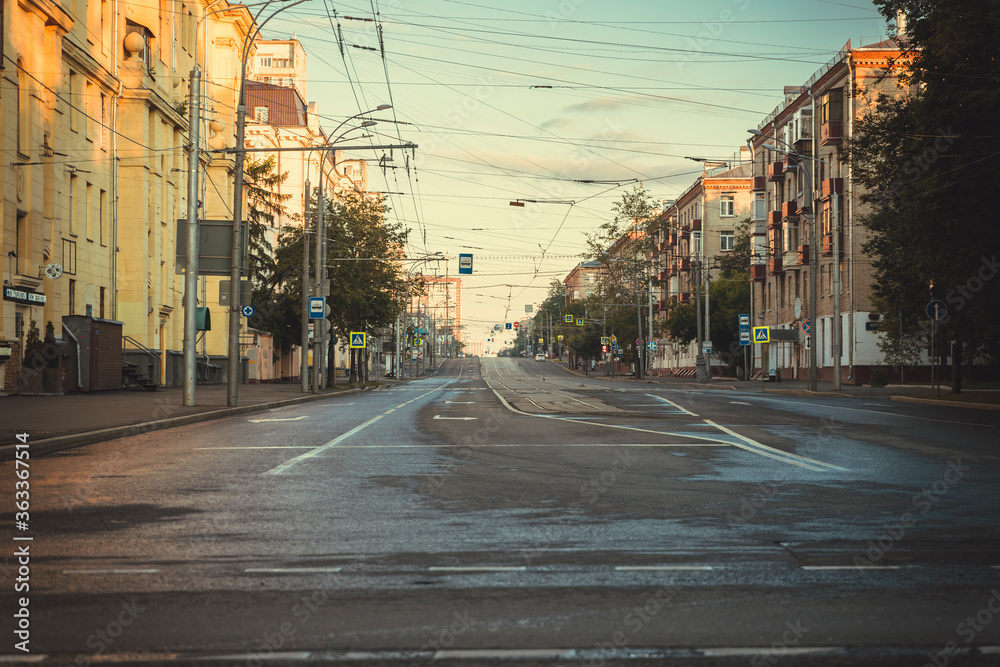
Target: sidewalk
(60, 422)
(902, 393)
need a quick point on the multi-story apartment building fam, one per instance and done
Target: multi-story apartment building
(814, 121)
(692, 230)
(95, 126)
(281, 62)
(582, 281)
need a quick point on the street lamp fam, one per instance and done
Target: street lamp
(235, 275)
(814, 264)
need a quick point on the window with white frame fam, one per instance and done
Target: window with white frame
(727, 240)
(727, 206)
(260, 114)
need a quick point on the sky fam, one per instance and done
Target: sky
(525, 99)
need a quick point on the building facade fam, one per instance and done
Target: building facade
(692, 230)
(814, 121)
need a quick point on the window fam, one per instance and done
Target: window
(696, 236)
(71, 216)
(89, 216)
(23, 119)
(131, 27)
(728, 240)
(727, 206)
(88, 115)
(792, 238)
(101, 210)
(74, 114)
(69, 256)
(103, 129)
(21, 241)
(72, 297)
(260, 114)
(101, 306)
(265, 61)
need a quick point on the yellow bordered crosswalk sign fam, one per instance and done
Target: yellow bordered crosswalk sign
(762, 334)
(568, 319)
(359, 339)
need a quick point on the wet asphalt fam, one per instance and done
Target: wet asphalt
(508, 512)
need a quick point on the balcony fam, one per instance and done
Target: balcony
(758, 272)
(828, 244)
(662, 247)
(663, 275)
(774, 266)
(759, 183)
(773, 218)
(684, 297)
(673, 270)
(775, 170)
(832, 132)
(790, 209)
(696, 225)
(672, 239)
(685, 264)
(803, 254)
(831, 185)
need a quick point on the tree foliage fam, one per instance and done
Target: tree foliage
(927, 162)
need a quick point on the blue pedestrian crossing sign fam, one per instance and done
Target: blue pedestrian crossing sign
(568, 319)
(762, 334)
(359, 339)
(605, 340)
(579, 321)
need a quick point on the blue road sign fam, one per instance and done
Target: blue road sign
(579, 321)
(806, 327)
(359, 339)
(936, 310)
(247, 311)
(762, 334)
(745, 337)
(317, 305)
(745, 321)
(465, 263)
(508, 326)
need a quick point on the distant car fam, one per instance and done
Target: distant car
(539, 357)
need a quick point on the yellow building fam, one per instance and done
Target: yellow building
(94, 121)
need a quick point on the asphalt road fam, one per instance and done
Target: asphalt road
(507, 512)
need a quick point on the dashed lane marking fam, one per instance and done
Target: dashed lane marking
(118, 571)
(478, 568)
(284, 419)
(849, 567)
(654, 568)
(291, 570)
(253, 447)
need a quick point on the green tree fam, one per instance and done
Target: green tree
(736, 262)
(926, 157)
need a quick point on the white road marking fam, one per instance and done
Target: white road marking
(247, 657)
(461, 402)
(738, 403)
(504, 654)
(120, 571)
(252, 447)
(660, 398)
(340, 438)
(522, 444)
(653, 568)
(773, 453)
(456, 418)
(289, 570)
(24, 658)
(850, 567)
(753, 651)
(478, 568)
(390, 411)
(284, 419)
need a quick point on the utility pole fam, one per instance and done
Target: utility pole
(304, 342)
(191, 259)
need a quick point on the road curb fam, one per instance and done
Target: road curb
(950, 404)
(73, 440)
(806, 392)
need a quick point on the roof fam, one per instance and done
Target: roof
(284, 104)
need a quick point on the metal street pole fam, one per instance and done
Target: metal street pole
(304, 342)
(191, 260)
(837, 331)
(318, 331)
(699, 359)
(236, 257)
